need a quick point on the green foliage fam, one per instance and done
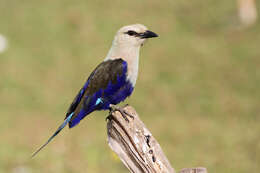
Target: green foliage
(198, 88)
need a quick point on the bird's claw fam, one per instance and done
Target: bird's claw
(126, 105)
(122, 111)
(109, 117)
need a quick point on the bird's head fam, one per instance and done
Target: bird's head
(133, 35)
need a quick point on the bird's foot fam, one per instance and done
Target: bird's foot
(109, 117)
(126, 105)
(114, 108)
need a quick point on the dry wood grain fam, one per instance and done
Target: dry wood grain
(136, 146)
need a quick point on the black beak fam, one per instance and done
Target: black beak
(148, 34)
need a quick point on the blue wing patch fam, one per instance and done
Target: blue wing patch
(99, 100)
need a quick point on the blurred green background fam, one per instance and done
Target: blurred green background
(197, 91)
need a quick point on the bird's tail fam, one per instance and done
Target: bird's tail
(55, 134)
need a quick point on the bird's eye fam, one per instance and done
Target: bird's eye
(131, 33)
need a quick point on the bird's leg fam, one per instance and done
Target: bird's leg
(109, 117)
(126, 105)
(114, 108)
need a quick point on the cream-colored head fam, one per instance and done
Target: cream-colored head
(126, 45)
(128, 41)
(133, 35)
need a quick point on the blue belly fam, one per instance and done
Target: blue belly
(120, 95)
(103, 98)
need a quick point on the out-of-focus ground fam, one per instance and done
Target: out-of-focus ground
(197, 91)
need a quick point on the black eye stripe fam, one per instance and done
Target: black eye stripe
(131, 33)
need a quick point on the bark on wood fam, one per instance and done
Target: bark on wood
(136, 147)
(194, 170)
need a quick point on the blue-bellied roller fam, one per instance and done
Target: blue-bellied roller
(112, 81)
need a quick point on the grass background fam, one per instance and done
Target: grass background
(198, 88)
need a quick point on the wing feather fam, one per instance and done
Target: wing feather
(105, 80)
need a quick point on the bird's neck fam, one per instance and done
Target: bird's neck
(125, 52)
(130, 54)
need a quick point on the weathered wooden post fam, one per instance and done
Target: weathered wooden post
(136, 147)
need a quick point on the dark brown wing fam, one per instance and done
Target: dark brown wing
(104, 74)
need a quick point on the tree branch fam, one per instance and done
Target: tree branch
(136, 147)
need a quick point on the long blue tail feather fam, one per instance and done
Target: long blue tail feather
(55, 134)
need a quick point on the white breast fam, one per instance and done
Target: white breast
(130, 54)
(132, 70)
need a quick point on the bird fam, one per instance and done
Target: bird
(112, 81)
